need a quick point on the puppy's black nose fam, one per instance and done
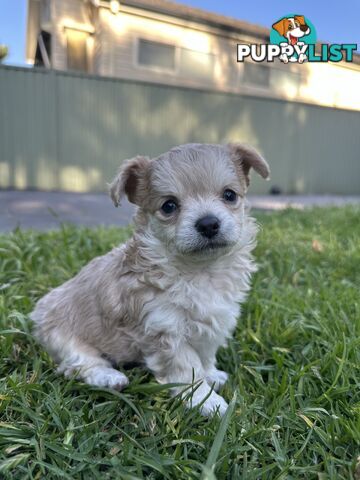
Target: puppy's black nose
(208, 226)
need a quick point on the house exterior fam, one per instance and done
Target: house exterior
(163, 42)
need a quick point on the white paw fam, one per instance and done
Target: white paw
(213, 404)
(217, 378)
(105, 377)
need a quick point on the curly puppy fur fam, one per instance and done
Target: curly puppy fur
(170, 296)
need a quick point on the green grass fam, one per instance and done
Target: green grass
(294, 365)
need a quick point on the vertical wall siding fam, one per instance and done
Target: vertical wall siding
(60, 131)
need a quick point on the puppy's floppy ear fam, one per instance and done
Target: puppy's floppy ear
(132, 180)
(300, 19)
(281, 26)
(246, 157)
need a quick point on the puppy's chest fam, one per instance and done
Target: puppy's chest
(205, 300)
(201, 305)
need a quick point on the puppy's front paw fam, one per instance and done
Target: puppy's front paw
(213, 404)
(106, 377)
(217, 378)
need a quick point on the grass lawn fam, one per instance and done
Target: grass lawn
(294, 364)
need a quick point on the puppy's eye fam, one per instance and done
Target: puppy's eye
(229, 195)
(290, 27)
(169, 207)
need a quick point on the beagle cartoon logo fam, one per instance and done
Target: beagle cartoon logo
(293, 39)
(294, 29)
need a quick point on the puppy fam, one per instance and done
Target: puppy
(170, 296)
(293, 29)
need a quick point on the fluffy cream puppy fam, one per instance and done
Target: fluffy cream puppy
(170, 296)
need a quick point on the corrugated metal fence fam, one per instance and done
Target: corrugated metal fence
(61, 131)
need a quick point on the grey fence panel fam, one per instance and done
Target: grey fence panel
(61, 131)
(28, 130)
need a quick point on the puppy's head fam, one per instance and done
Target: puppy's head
(292, 28)
(192, 197)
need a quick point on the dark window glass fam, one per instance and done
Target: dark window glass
(45, 38)
(256, 75)
(155, 54)
(77, 50)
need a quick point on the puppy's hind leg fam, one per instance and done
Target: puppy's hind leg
(88, 364)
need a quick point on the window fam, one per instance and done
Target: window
(43, 50)
(197, 65)
(256, 75)
(155, 54)
(77, 58)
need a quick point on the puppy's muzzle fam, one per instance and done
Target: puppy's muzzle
(304, 28)
(208, 226)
